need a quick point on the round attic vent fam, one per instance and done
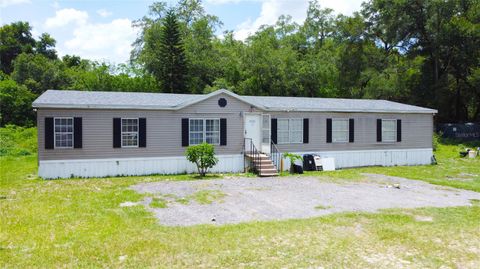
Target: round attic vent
(222, 102)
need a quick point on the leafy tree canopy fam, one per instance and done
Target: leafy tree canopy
(423, 53)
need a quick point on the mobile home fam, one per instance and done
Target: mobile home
(98, 134)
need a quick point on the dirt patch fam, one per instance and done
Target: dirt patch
(258, 199)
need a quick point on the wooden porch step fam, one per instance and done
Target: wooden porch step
(268, 174)
(264, 165)
(262, 156)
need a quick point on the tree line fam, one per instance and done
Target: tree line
(424, 53)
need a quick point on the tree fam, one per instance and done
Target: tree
(95, 76)
(445, 34)
(203, 156)
(319, 24)
(15, 104)
(39, 73)
(46, 46)
(15, 38)
(164, 55)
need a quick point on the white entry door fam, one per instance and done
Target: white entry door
(253, 129)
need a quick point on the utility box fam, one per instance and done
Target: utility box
(312, 162)
(309, 162)
(318, 162)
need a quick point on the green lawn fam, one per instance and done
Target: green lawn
(78, 223)
(452, 170)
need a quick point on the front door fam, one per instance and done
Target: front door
(253, 129)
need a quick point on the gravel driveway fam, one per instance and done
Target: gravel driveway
(256, 199)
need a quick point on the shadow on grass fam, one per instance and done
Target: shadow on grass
(460, 143)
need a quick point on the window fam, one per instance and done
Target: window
(204, 130)
(196, 132)
(266, 129)
(129, 133)
(389, 130)
(296, 130)
(282, 131)
(63, 132)
(289, 131)
(339, 130)
(212, 132)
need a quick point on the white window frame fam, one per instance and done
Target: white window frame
(333, 130)
(289, 120)
(204, 123)
(122, 132)
(55, 133)
(394, 131)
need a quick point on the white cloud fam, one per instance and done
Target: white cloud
(55, 5)
(6, 3)
(346, 7)
(109, 41)
(272, 9)
(102, 41)
(67, 16)
(104, 13)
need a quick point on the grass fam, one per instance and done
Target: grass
(205, 197)
(18, 141)
(79, 223)
(322, 207)
(159, 202)
(451, 170)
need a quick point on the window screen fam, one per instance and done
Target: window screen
(63, 132)
(340, 130)
(204, 130)
(129, 133)
(389, 130)
(289, 131)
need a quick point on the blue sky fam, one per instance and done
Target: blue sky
(101, 29)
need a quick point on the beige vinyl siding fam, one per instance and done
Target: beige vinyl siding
(417, 131)
(164, 132)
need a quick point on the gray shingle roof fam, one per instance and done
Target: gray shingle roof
(135, 100)
(82, 99)
(334, 104)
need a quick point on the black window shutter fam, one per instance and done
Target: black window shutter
(142, 132)
(351, 130)
(77, 133)
(379, 130)
(399, 130)
(273, 131)
(305, 131)
(49, 135)
(117, 132)
(329, 130)
(185, 132)
(223, 132)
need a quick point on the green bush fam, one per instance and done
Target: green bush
(18, 141)
(293, 157)
(16, 104)
(203, 156)
(436, 140)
